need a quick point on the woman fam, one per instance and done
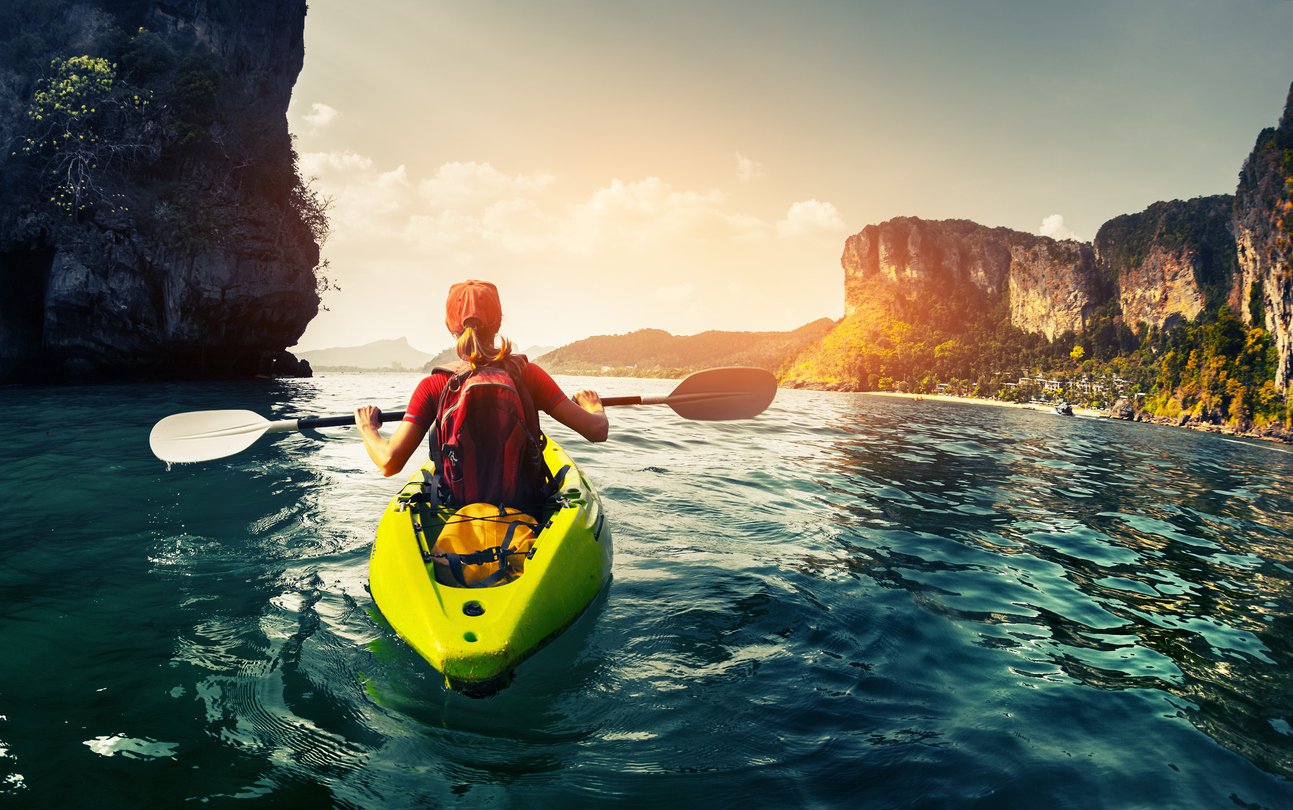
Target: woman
(473, 315)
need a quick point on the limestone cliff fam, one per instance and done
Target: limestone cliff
(188, 246)
(907, 249)
(1263, 226)
(1051, 286)
(1172, 261)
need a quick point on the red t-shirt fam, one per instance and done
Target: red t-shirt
(421, 410)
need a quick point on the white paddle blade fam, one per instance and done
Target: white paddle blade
(205, 435)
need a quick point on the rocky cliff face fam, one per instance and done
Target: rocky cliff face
(1263, 226)
(195, 255)
(1171, 261)
(1051, 286)
(917, 251)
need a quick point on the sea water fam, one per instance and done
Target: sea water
(850, 601)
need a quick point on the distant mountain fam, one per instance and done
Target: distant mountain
(450, 356)
(380, 355)
(656, 353)
(385, 355)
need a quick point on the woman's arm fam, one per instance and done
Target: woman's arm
(390, 455)
(583, 413)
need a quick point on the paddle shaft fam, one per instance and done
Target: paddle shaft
(665, 399)
(312, 422)
(315, 422)
(712, 395)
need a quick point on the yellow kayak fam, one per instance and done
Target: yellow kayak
(476, 636)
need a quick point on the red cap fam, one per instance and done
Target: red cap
(475, 301)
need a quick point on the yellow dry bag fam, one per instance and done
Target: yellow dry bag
(483, 545)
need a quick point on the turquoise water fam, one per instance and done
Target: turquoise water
(850, 601)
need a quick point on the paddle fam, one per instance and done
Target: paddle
(716, 394)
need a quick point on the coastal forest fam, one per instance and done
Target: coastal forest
(1218, 368)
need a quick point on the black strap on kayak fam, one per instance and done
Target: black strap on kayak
(421, 509)
(559, 479)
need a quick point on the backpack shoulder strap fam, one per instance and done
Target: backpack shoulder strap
(456, 374)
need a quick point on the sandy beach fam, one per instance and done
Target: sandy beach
(1032, 406)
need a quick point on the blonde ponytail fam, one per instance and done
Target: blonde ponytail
(476, 349)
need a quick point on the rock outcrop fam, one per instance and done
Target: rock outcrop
(941, 254)
(1051, 286)
(1171, 261)
(197, 255)
(1263, 227)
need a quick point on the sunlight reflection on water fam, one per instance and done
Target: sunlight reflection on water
(851, 600)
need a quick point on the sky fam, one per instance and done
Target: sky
(615, 165)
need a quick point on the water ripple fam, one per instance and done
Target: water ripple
(852, 601)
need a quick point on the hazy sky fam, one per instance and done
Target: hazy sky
(616, 165)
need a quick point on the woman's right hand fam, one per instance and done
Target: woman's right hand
(589, 400)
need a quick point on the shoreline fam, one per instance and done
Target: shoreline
(996, 403)
(1271, 436)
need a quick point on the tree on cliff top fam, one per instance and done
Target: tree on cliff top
(84, 123)
(138, 129)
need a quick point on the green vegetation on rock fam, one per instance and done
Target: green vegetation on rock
(1216, 370)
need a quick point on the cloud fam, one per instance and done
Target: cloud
(650, 210)
(316, 164)
(476, 218)
(395, 178)
(461, 184)
(663, 248)
(748, 170)
(1054, 227)
(810, 217)
(320, 115)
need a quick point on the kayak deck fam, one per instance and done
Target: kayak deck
(476, 636)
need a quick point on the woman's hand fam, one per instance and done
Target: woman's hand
(584, 414)
(368, 416)
(589, 401)
(390, 455)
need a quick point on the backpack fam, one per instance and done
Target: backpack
(485, 441)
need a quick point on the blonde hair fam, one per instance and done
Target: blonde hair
(478, 349)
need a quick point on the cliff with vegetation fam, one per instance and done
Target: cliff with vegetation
(1048, 285)
(656, 353)
(152, 220)
(1263, 228)
(1172, 262)
(1182, 312)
